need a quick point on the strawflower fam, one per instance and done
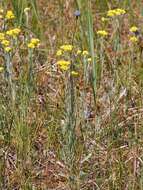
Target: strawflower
(120, 11)
(66, 47)
(133, 29)
(59, 52)
(115, 12)
(64, 67)
(14, 32)
(102, 33)
(34, 42)
(133, 39)
(9, 15)
(63, 62)
(31, 46)
(5, 42)
(7, 49)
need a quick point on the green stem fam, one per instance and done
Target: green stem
(9, 76)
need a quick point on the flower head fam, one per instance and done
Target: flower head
(34, 42)
(14, 32)
(115, 12)
(7, 49)
(77, 13)
(120, 11)
(66, 47)
(59, 52)
(102, 33)
(111, 13)
(9, 15)
(63, 64)
(5, 42)
(31, 46)
(133, 29)
(64, 67)
(133, 39)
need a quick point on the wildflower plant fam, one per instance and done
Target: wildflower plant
(73, 64)
(10, 43)
(14, 41)
(116, 17)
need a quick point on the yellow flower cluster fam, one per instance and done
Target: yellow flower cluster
(64, 65)
(7, 38)
(102, 33)
(133, 39)
(6, 44)
(14, 32)
(115, 12)
(10, 15)
(66, 47)
(7, 49)
(133, 29)
(34, 42)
